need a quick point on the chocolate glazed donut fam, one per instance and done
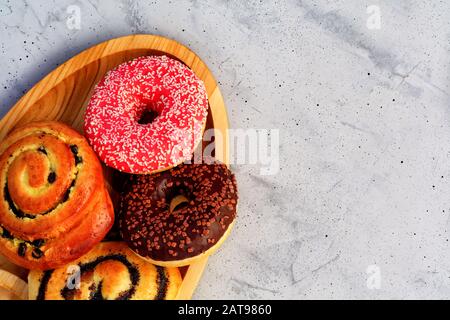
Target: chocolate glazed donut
(54, 206)
(177, 216)
(110, 271)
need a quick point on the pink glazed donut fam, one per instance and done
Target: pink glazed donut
(158, 86)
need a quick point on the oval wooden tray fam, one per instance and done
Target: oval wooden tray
(64, 93)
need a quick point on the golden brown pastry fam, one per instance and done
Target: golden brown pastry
(110, 271)
(54, 206)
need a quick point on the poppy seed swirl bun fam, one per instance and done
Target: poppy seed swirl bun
(110, 271)
(54, 206)
(168, 231)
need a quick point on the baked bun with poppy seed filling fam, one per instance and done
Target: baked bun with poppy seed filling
(54, 206)
(175, 217)
(110, 271)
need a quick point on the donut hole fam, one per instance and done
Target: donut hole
(178, 202)
(147, 116)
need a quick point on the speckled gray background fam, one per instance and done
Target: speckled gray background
(364, 129)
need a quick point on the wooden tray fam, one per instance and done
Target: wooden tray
(12, 287)
(64, 93)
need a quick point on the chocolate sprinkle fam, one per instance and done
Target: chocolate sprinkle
(42, 150)
(78, 160)
(74, 149)
(37, 253)
(7, 235)
(38, 243)
(51, 177)
(22, 249)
